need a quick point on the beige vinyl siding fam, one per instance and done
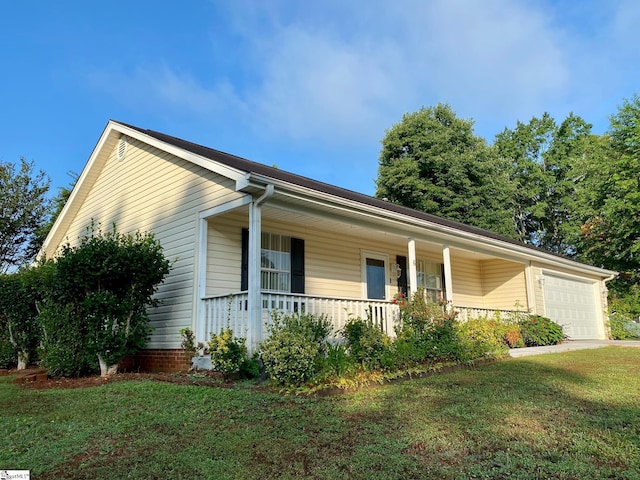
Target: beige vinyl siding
(504, 284)
(332, 256)
(151, 190)
(466, 280)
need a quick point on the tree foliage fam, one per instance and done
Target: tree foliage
(99, 297)
(19, 315)
(433, 162)
(545, 161)
(23, 211)
(609, 231)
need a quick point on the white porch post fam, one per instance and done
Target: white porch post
(448, 283)
(254, 294)
(255, 311)
(201, 292)
(413, 273)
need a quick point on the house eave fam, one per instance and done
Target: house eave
(411, 226)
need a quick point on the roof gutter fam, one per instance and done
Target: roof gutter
(258, 180)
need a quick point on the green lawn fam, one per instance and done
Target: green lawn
(570, 415)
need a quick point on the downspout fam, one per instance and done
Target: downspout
(254, 288)
(604, 298)
(268, 193)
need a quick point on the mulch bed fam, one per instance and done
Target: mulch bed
(39, 380)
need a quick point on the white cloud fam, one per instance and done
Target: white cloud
(341, 72)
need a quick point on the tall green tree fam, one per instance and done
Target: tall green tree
(545, 162)
(23, 211)
(610, 200)
(432, 161)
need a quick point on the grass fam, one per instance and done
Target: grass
(572, 415)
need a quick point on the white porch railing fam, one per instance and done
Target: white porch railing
(469, 313)
(232, 311)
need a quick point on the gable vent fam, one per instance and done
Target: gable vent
(122, 147)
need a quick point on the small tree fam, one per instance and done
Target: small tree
(24, 209)
(105, 284)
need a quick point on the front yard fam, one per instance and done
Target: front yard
(572, 415)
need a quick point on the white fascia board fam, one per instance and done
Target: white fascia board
(211, 165)
(449, 235)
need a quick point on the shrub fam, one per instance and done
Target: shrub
(64, 352)
(297, 343)
(228, 352)
(19, 327)
(188, 344)
(104, 286)
(538, 331)
(8, 353)
(251, 367)
(482, 338)
(511, 336)
(338, 362)
(622, 313)
(367, 344)
(289, 357)
(428, 331)
(623, 328)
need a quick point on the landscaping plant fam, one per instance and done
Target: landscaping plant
(296, 346)
(19, 328)
(539, 331)
(227, 352)
(98, 300)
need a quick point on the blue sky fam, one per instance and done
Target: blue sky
(310, 86)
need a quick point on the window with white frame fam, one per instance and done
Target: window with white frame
(430, 279)
(275, 262)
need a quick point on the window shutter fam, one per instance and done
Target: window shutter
(402, 279)
(244, 267)
(297, 265)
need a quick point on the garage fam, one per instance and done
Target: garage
(572, 303)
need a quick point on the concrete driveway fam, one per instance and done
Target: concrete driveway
(572, 345)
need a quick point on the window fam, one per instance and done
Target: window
(281, 263)
(430, 279)
(275, 254)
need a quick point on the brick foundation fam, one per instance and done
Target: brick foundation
(156, 361)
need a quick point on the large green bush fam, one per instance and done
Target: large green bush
(97, 304)
(294, 351)
(367, 344)
(19, 327)
(428, 331)
(539, 331)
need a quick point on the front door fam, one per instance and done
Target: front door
(375, 276)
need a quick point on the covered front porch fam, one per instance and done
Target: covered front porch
(269, 252)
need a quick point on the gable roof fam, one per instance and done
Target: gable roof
(244, 171)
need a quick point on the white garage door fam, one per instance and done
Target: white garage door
(572, 304)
